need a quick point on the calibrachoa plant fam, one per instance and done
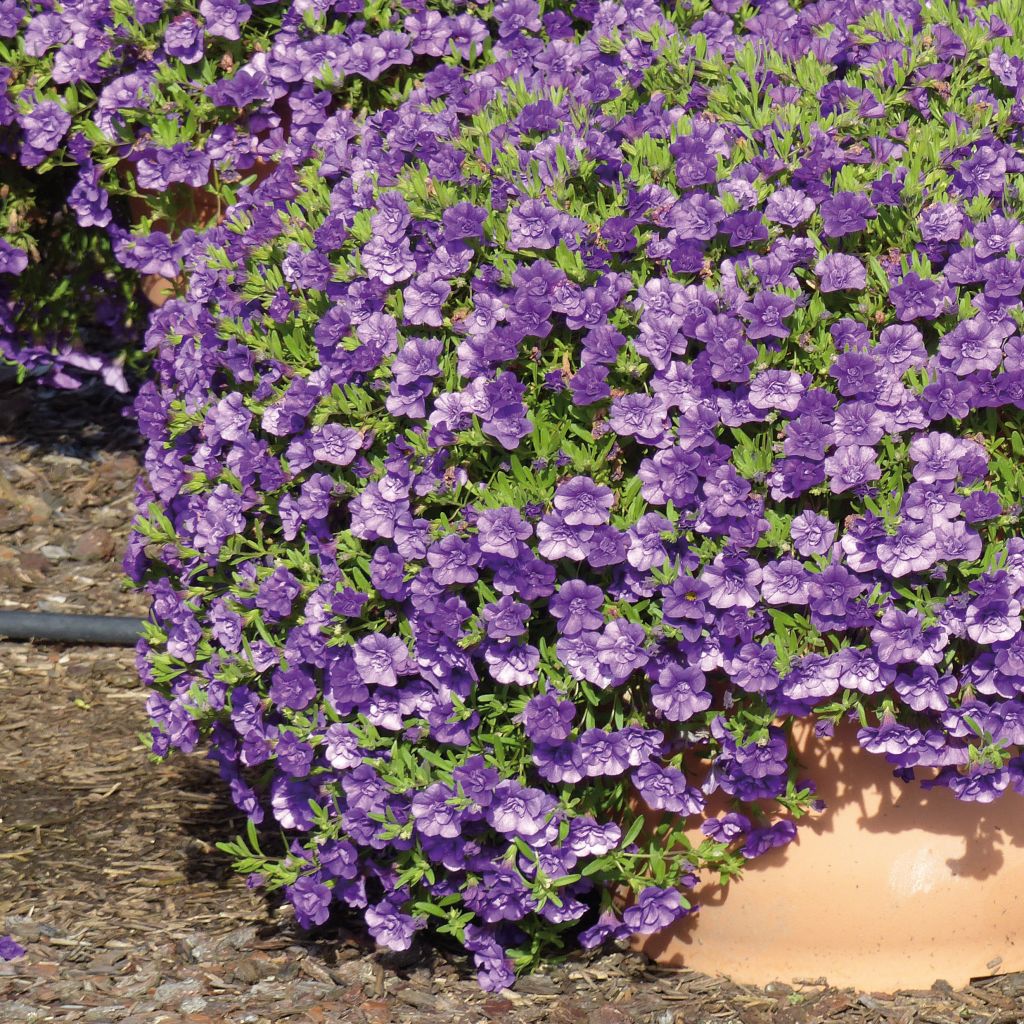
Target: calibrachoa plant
(162, 111)
(543, 448)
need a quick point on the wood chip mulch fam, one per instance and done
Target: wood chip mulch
(109, 872)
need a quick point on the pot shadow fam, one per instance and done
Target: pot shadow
(848, 776)
(849, 779)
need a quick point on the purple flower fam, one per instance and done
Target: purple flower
(502, 531)
(851, 465)
(342, 747)
(183, 38)
(43, 126)
(845, 214)
(517, 810)
(941, 222)
(994, 236)
(916, 297)
(12, 259)
(293, 687)
(935, 456)
(830, 591)
(646, 544)
(761, 840)
(276, 593)
(381, 659)
(581, 502)
(654, 910)
(464, 220)
(505, 618)
(680, 692)
(666, 789)
(424, 299)
(391, 928)
(602, 753)
(577, 607)
(638, 415)
(89, 201)
(776, 389)
(839, 272)
(766, 314)
(433, 814)
(789, 206)
(784, 582)
(224, 17)
(608, 927)
(452, 560)
(290, 800)
(44, 31)
(981, 783)
(311, 900)
(548, 720)
(621, 651)
(900, 638)
(732, 581)
(972, 345)
(812, 534)
(726, 828)
(533, 225)
(911, 549)
(925, 690)
(9, 949)
(994, 618)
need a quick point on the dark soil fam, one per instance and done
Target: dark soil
(109, 872)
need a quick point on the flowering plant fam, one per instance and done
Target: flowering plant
(555, 440)
(160, 112)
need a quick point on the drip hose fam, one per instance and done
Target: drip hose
(115, 630)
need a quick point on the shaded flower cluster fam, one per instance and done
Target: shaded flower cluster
(544, 446)
(68, 311)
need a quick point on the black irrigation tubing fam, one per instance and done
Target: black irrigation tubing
(114, 630)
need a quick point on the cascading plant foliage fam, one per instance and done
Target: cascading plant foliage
(539, 450)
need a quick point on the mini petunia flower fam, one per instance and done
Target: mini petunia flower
(577, 607)
(845, 214)
(680, 693)
(994, 618)
(851, 466)
(911, 549)
(548, 720)
(732, 581)
(839, 272)
(381, 659)
(581, 502)
(621, 651)
(812, 534)
(654, 910)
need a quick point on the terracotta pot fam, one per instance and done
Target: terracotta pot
(204, 210)
(157, 289)
(891, 887)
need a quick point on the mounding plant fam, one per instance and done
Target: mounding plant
(552, 443)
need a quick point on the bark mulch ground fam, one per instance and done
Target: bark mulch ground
(109, 872)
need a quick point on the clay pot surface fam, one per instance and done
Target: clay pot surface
(891, 887)
(204, 210)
